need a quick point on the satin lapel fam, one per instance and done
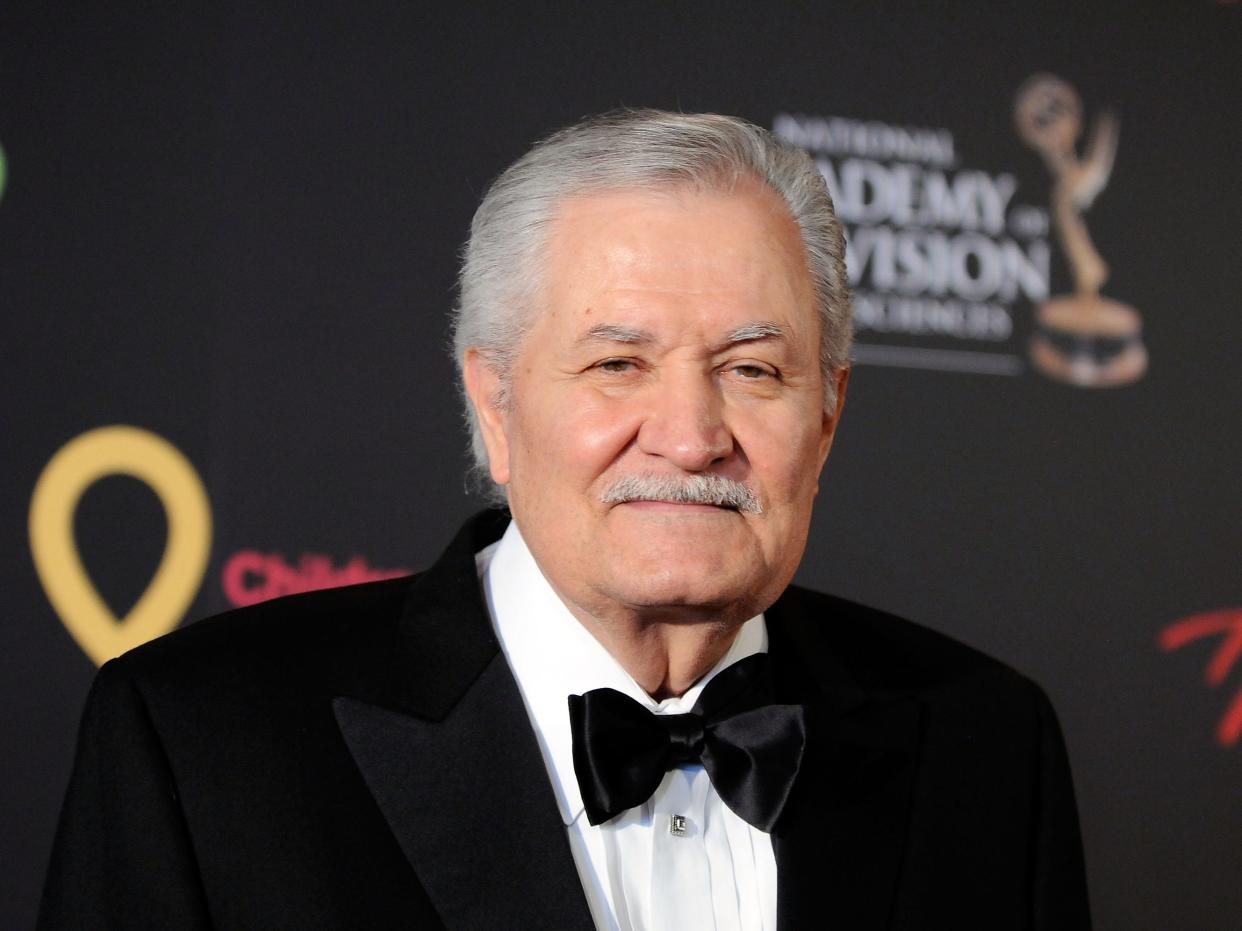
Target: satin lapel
(840, 844)
(469, 802)
(442, 740)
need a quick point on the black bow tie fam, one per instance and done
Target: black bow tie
(751, 749)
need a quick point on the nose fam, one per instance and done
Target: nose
(685, 423)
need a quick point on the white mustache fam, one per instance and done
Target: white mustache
(685, 489)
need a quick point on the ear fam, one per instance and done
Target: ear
(483, 386)
(840, 378)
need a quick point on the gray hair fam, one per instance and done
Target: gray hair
(501, 269)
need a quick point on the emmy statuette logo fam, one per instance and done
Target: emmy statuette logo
(119, 450)
(1084, 338)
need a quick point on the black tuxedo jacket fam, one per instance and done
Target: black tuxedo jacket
(360, 758)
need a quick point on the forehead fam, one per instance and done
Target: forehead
(676, 256)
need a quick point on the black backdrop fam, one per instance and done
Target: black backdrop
(236, 228)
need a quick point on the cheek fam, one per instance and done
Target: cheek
(784, 456)
(603, 426)
(575, 436)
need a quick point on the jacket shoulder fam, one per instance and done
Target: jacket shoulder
(888, 653)
(303, 631)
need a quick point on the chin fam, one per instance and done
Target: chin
(683, 586)
(694, 558)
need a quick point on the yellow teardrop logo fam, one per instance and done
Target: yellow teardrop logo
(99, 453)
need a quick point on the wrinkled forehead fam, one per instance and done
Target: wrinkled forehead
(637, 256)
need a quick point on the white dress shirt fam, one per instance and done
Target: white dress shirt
(720, 875)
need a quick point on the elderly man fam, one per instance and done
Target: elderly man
(612, 710)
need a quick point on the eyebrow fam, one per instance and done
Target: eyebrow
(750, 332)
(613, 333)
(746, 333)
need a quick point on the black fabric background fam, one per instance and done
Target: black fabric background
(238, 228)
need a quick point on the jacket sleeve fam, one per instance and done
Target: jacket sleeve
(122, 857)
(1059, 888)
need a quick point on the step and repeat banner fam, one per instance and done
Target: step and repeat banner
(228, 242)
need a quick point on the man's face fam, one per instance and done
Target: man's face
(677, 336)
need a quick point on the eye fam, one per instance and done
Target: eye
(750, 371)
(616, 366)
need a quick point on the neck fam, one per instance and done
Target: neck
(664, 655)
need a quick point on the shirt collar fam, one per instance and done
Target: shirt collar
(553, 656)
